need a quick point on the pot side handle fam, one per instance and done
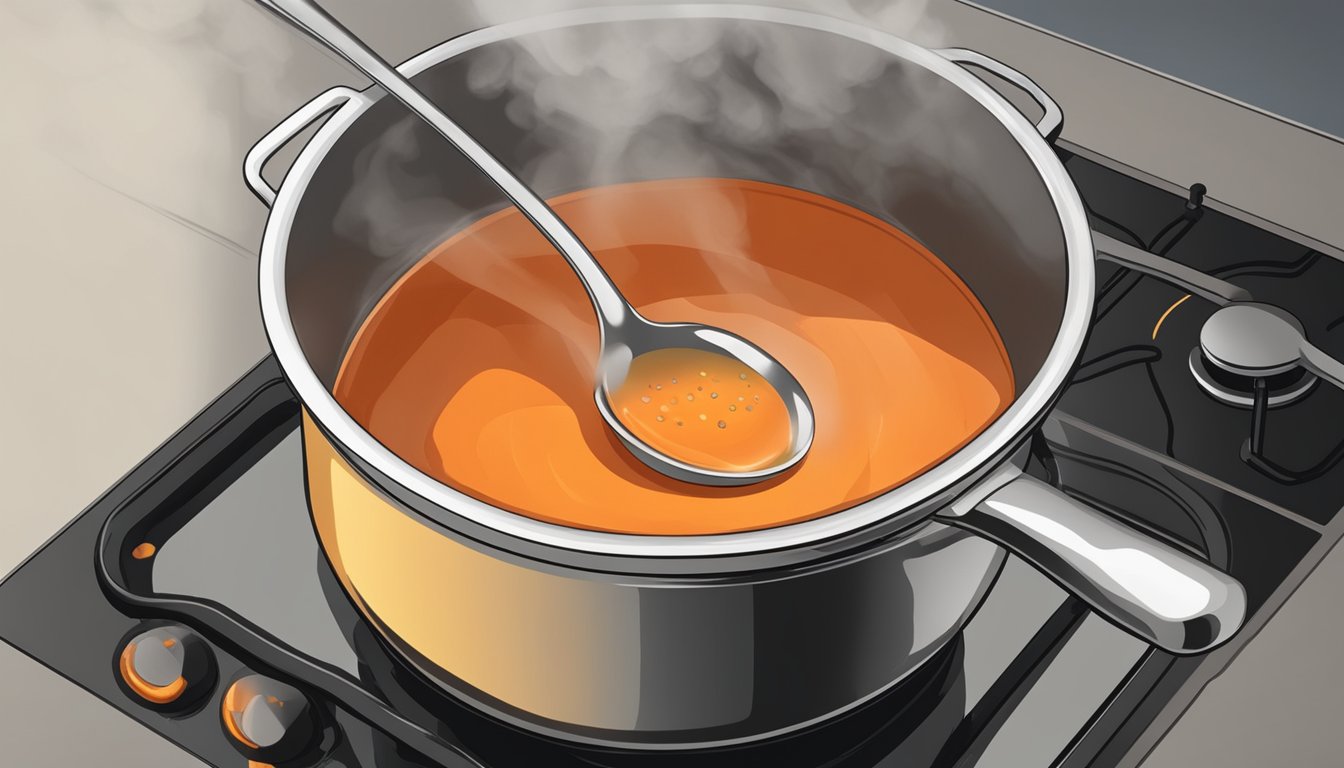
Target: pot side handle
(282, 134)
(1050, 124)
(1164, 596)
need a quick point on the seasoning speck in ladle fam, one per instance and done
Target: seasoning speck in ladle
(636, 353)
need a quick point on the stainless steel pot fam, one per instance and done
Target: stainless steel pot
(659, 642)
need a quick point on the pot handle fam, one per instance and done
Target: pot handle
(1170, 599)
(282, 134)
(1050, 124)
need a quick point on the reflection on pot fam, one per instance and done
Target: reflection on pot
(614, 659)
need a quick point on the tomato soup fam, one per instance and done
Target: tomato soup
(477, 366)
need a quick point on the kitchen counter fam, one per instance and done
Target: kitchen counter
(1282, 57)
(129, 241)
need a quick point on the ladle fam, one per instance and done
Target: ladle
(625, 334)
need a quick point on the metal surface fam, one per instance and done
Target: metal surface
(254, 162)
(1174, 272)
(1317, 361)
(1244, 397)
(1043, 337)
(1252, 340)
(1051, 123)
(367, 519)
(1259, 340)
(623, 333)
(635, 336)
(1155, 591)
(667, 662)
(309, 18)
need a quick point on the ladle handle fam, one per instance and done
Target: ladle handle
(1172, 600)
(309, 18)
(1052, 121)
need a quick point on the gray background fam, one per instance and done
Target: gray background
(128, 297)
(1284, 56)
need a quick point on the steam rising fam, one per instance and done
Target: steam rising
(640, 99)
(584, 106)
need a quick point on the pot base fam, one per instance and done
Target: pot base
(912, 719)
(624, 661)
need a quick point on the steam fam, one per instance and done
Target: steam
(600, 104)
(639, 100)
(627, 101)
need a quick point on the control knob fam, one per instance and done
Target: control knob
(166, 667)
(267, 719)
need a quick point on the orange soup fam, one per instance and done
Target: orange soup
(477, 366)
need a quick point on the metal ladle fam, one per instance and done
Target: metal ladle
(625, 334)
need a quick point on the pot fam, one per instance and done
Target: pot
(691, 641)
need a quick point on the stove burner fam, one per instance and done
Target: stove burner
(1253, 340)
(1243, 343)
(1238, 390)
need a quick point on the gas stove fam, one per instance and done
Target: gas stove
(197, 583)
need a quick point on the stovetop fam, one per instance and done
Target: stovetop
(1145, 330)
(1034, 679)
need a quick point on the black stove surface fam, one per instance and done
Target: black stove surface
(1035, 679)
(1135, 380)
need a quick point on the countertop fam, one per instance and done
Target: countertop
(1283, 56)
(130, 299)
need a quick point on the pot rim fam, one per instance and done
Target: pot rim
(986, 449)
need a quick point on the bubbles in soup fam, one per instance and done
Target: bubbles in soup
(704, 409)
(477, 366)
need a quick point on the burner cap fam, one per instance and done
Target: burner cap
(1238, 390)
(1244, 342)
(1253, 340)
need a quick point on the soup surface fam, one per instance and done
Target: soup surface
(477, 366)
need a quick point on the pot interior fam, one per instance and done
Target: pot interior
(623, 101)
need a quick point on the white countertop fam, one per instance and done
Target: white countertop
(130, 296)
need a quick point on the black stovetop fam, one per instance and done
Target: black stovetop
(1035, 679)
(1128, 362)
